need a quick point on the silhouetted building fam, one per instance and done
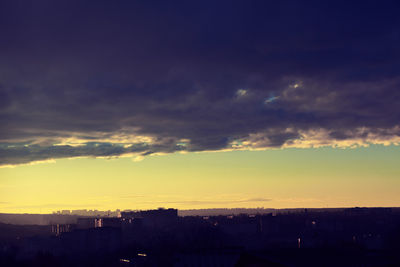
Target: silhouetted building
(366, 237)
(157, 217)
(92, 240)
(108, 222)
(86, 223)
(57, 229)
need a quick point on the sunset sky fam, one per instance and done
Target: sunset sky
(198, 104)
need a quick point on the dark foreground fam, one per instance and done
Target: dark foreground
(348, 237)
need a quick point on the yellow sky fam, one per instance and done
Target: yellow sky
(287, 178)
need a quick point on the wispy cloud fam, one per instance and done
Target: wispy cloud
(53, 206)
(203, 202)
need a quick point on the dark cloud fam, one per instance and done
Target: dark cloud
(101, 74)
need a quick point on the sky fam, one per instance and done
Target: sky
(199, 104)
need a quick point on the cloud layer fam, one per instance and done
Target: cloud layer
(101, 79)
